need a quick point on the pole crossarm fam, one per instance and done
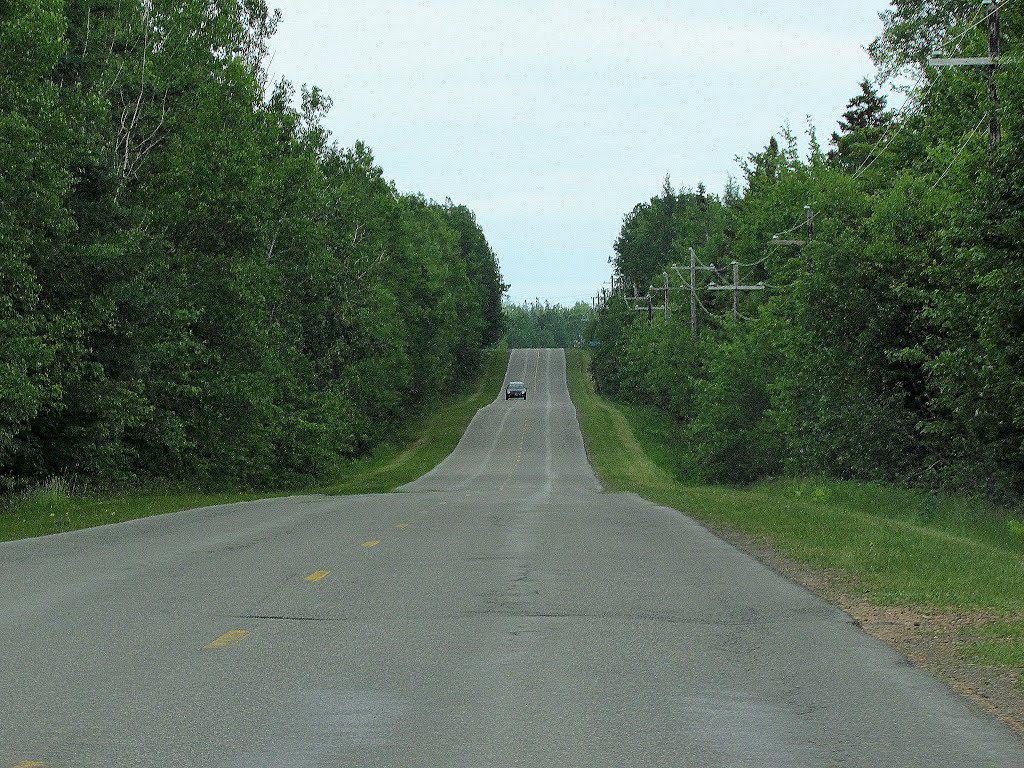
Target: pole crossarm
(713, 287)
(977, 61)
(995, 132)
(712, 268)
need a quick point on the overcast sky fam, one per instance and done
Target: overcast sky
(551, 120)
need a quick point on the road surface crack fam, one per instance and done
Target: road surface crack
(272, 617)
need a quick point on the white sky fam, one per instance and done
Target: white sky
(551, 120)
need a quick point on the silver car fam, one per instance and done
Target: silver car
(515, 389)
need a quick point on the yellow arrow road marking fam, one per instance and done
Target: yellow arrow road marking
(227, 639)
(402, 525)
(370, 544)
(318, 575)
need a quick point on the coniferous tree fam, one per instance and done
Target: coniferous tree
(862, 128)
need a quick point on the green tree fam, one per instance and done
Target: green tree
(198, 283)
(863, 127)
(545, 326)
(34, 182)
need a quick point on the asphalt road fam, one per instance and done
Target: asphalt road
(500, 611)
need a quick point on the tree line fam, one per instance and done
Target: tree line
(196, 282)
(885, 343)
(545, 325)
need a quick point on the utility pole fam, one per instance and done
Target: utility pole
(808, 261)
(995, 133)
(809, 228)
(736, 288)
(694, 269)
(693, 292)
(735, 291)
(809, 235)
(668, 312)
(989, 62)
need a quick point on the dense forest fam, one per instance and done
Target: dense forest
(879, 331)
(545, 326)
(195, 281)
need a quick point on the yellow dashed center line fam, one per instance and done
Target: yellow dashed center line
(30, 764)
(227, 639)
(522, 437)
(519, 457)
(318, 575)
(370, 544)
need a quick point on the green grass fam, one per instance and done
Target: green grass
(616, 456)
(58, 506)
(429, 440)
(997, 644)
(892, 546)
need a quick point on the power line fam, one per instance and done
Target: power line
(901, 124)
(979, 19)
(701, 263)
(708, 312)
(791, 229)
(919, 96)
(763, 259)
(959, 152)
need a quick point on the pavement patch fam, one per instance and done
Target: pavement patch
(227, 639)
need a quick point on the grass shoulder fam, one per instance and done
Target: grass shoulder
(58, 506)
(892, 551)
(427, 442)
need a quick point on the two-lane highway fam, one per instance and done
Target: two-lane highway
(500, 611)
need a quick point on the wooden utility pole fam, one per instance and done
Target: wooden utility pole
(808, 263)
(736, 288)
(694, 269)
(735, 291)
(809, 228)
(995, 133)
(989, 62)
(668, 312)
(693, 292)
